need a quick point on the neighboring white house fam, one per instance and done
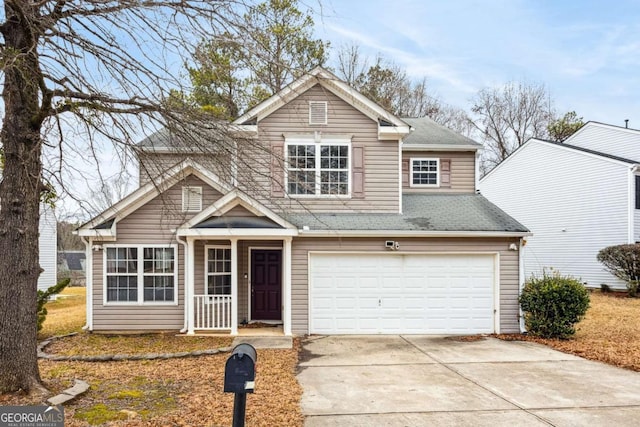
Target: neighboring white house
(48, 248)
(575, 199)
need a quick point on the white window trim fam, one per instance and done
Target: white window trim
(421, 159)
(318, 144)
(186, 189)
(206, 268)
(140, 273)
(326, 111)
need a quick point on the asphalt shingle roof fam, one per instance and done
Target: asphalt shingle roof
(421, 212)
(426, 132)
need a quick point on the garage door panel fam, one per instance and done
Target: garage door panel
(401, 293)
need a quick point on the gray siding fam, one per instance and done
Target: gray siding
(151, 224)
(509, 269)
(47, 247)
(381, 163)
(153, 165)
(463, 171)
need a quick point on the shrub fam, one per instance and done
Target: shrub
(43, 297)
(553, 304)
(623, 261)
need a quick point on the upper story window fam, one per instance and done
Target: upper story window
(425, 172)
(191, 199)
(318, 168)
(637, 191)
(318, 112)
(140, 274)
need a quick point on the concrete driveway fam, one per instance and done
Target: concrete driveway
(425, 380)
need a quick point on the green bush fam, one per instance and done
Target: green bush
(553, 304)
(623, 261)
(43, 297)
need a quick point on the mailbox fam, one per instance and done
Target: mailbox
(240, 370)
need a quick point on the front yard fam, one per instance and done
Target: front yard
(188, 391)
(610, 332)
(179, 392)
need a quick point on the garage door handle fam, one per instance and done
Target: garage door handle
(379, 303)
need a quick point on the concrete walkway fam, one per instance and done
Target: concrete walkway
(426, 380)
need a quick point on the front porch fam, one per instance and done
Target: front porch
(235, 282)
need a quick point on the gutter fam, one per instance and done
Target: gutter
(521, 279)
(88, 283)
(410, 233)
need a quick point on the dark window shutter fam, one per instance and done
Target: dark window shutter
(406, 173)
(357, 171)
(637, 191)
(445, 172)
(277, 170)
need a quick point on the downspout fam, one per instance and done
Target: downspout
(88, 283)
(631, 234)
(523, 329)
(184, 283)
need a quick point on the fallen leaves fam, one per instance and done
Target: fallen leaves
(610, 333)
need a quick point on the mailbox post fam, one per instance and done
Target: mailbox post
(239, 378)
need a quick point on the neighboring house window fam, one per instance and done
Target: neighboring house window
(637, 191)
(425, 172)
(317, 112)
(140, 274)
(191, 199)
(218, 260)
(318, 168)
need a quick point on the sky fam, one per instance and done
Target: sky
(587, 53)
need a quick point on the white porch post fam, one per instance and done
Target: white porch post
(287, 287)
(189, 289)
(234, 286)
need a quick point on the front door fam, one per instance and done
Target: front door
(266, 284)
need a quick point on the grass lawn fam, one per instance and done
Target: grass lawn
(610, 332)
(178, 392)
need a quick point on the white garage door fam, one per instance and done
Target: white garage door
(401, 293)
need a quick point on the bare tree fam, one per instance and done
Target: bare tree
(508, 116)
(79, 77)
(387, 84)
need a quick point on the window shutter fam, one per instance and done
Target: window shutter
(277, 170)
(357, 166)
(317, 112)
(406, 173)
(445, 172)
(191, 199)
(637, 191)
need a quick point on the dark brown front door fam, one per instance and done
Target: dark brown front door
(266, 284)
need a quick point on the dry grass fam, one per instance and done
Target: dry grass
(610, 332)
(175, 392)
(94, 344)
(66, 314)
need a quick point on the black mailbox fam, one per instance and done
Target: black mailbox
(240, 370)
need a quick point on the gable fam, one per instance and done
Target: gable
(607, 139)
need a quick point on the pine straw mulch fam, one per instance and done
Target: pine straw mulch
(609, 333)
(92, 344)
(175, 392)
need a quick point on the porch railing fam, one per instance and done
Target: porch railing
(212, 312)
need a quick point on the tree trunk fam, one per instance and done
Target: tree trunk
(20, 198)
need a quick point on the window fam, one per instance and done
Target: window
(425, 172)
(318, 168)
(140, 274)
(218, 260)
(191, 199)
(318, 112)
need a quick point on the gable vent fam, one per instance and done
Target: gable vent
(191, 199)
(318, 112)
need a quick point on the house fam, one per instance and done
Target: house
(47, 245)
(576, 197)
(342, 219)
(71, 264)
